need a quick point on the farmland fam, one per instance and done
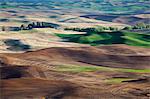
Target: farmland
(74, 49)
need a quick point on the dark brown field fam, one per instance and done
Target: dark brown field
(43, 74)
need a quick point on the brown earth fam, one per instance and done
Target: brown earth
(120, 56)
(32, 75)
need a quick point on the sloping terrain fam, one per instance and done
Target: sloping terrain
(124, 19)
(106, 6)
(51, 62)
(107, 38)
(61, 17)
(63, 73)
(12, 42)
(132, 20)
(88, 55)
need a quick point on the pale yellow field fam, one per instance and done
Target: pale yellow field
(37, 39)
(143, 15)
(40, 38)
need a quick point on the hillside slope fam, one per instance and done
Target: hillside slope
(130, 57)
(62, 73)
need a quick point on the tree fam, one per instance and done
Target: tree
(43, 24)
(38, 24)
(112, 28)
(141, 25)
(3, 28)
(148, 26)
(135, 27)
(99, 29)
(33, 24)
(22, 27)
(105, 28)
(127, 28)
(30, 26)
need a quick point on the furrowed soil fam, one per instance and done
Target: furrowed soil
(106, 72)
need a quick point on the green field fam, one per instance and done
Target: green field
(107, 38)
(75, 68)
(117, 80)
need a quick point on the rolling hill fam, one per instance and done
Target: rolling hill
(106, 6)
(65, 72)
(74, 49)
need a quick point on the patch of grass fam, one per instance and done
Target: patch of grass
(74, 68)
(95, 37)
(116, 80)
(77, 68)
(107, 38)
(136, 42)
(134, 70)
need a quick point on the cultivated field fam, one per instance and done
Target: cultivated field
(64, 49)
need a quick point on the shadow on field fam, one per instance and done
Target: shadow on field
(16, 45)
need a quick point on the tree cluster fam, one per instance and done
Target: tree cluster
(96, 29)
(38, 25)
(140, 26)
(33, 25)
